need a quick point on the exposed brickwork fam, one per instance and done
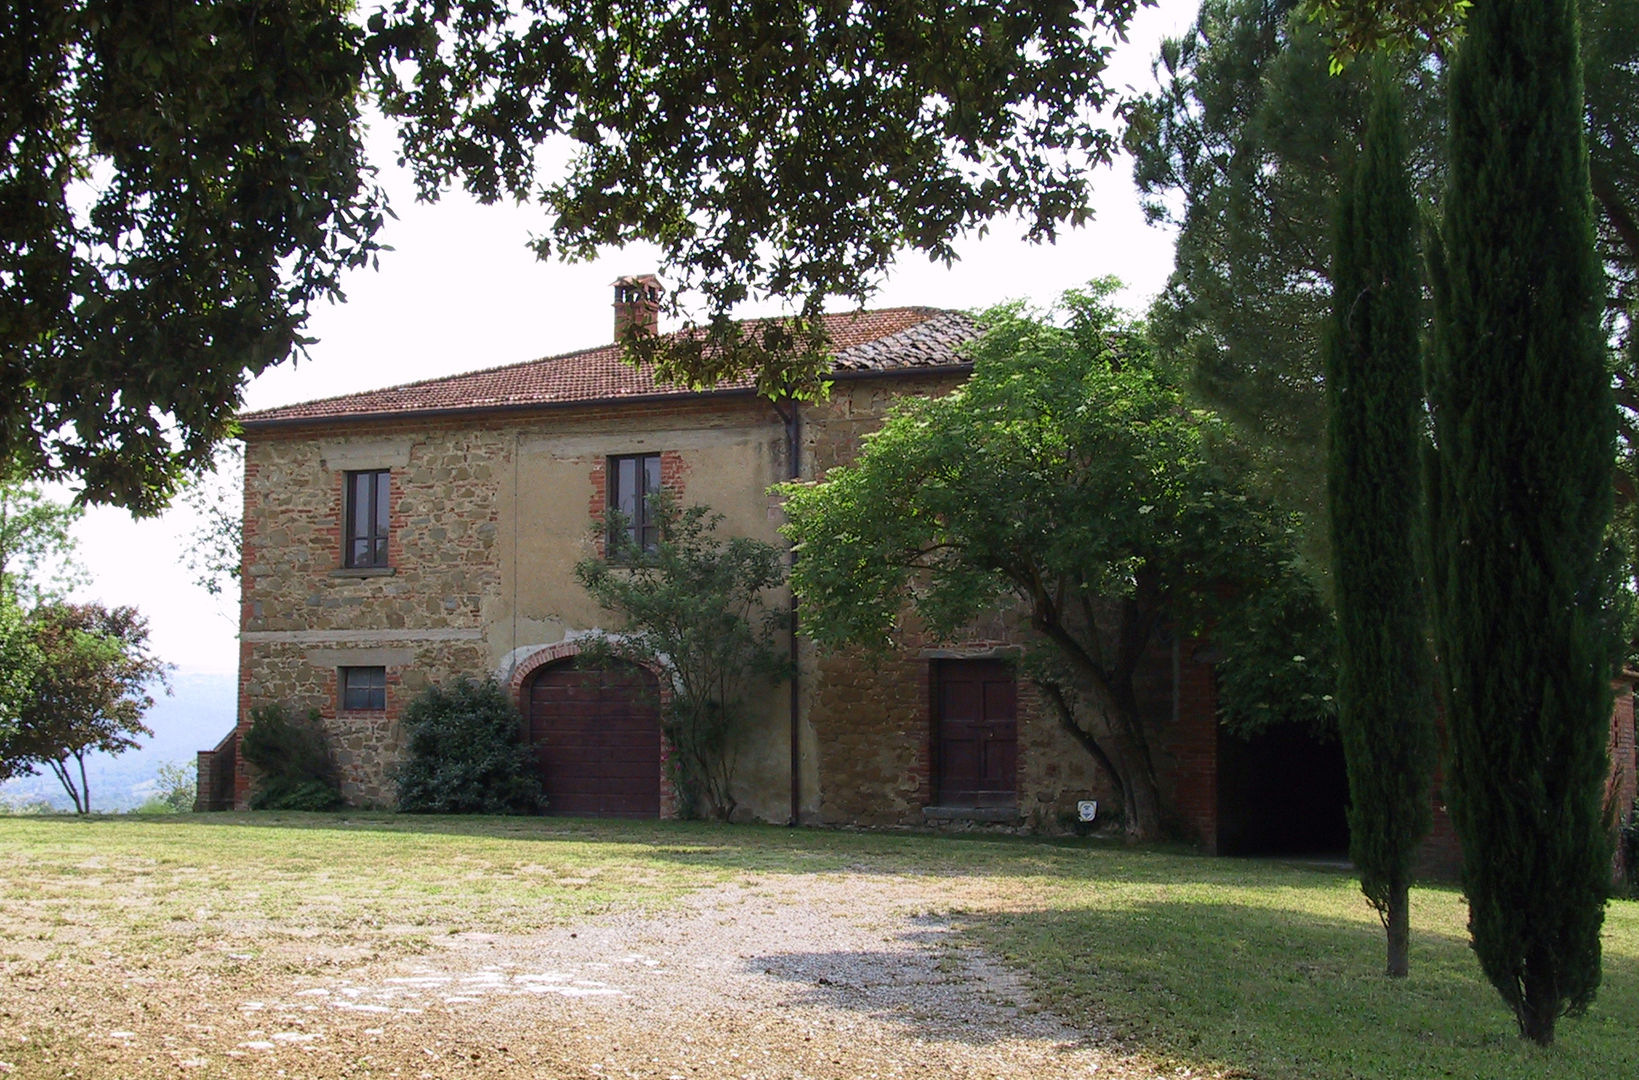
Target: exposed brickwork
(873, 719)
(1181, 706)
(1441, 854)
(674, 468)
(870, 718)
(1622, 787)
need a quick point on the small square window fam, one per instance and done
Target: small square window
(366, 531)
(363, 689)
(633, 480)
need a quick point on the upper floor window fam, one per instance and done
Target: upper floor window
(633, 480)
(366, 540)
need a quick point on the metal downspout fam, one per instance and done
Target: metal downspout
(793, 448)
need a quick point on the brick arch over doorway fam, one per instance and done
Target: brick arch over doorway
(597, 738)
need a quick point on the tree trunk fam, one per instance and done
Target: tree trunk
(1397, 921)
(1125, 757)
(85, 785)
(1541, 998)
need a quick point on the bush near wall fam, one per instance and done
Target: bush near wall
(464, 754)
(293, 760)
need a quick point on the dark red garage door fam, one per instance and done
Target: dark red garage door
(976, 733)
(597, 737)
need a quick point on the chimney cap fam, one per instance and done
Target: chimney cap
(637, 304)
(647, 285)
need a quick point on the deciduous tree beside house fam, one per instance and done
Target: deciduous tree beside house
(695, 607)
(36, 545)
(180, 182)
(1066, 476)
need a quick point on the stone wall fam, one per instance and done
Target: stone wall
(872, 721)
(489, 515)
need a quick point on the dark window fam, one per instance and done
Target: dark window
(363, 689)
(367, 518)
(633, 481)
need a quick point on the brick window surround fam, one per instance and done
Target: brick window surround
(363, 689)
(366, 513)
(632, 479)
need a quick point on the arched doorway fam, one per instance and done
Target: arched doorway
(596, 733)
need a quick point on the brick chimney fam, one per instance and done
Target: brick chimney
(637, 304)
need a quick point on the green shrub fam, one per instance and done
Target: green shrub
(464, 754)
(293, 759)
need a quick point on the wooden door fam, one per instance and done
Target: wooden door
(597, 740)
(976, 733)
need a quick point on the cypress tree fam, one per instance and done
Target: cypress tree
(1524, 425)
(1374, 383)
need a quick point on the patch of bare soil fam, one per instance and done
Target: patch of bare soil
(814, 977)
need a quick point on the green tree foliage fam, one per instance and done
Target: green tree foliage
(292, 760)
(1524, 426)
(1068, 476)
(176, 791)
(36, 544)
(179, 183)
(1374, 382)
(87, 694)
(217, 500)
(697, 609)
(19, 660)
(1241, 147)
(464, 753)
(1357, 27)
(773, 147)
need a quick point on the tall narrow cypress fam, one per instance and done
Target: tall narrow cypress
(1524, 425)
(1374, 383)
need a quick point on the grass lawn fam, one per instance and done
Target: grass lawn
(1227, 967)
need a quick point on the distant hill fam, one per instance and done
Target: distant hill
(195, 717)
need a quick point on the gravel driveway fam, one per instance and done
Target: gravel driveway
(824, 976)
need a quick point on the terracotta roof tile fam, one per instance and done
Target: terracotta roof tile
(886, 340)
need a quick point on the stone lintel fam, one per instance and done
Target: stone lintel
(364, 638)
(377, 657)
(357, 455)
(970, 652)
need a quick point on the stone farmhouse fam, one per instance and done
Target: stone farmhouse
(407, 536)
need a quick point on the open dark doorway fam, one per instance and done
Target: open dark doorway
(1282, 792)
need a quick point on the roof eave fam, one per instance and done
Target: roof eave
(249, 424)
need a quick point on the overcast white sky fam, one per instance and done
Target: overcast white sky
(461, 291)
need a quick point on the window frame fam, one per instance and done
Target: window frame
(370, 550)
(373, 691)
(639, 527)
